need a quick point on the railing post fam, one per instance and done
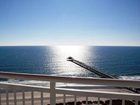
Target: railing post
(52, 93)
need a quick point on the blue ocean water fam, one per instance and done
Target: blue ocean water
(116, 61)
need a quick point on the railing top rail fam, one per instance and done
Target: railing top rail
(94, 81)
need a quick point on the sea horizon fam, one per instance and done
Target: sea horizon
(69, 45)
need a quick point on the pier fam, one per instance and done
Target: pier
(93, 70)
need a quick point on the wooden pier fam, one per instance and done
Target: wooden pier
(99, 73)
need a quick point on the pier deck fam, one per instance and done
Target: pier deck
(99, 73)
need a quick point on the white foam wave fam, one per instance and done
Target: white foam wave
(29, 82)
(129, 77)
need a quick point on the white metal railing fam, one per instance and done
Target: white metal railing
(53, 90)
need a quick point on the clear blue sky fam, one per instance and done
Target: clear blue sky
(70, 22)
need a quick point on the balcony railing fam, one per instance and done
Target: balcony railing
(23, 94)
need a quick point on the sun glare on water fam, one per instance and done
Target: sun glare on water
(77, 52)
(66, 67)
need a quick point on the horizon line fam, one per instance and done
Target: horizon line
(70, 45)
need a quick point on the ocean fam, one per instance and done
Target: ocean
(121, 62)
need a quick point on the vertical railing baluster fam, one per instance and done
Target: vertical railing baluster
(110, 102)
(64, 101)
(86, 100)
(15, 98)
(98, 100)
(23, 97)
(52, 93)
(136, 102)
(41, 97)
(32, 97)
(75, 99)
(7, 98)
(0, 98)
(123, 102)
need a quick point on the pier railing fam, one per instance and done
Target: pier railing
(19, 94)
